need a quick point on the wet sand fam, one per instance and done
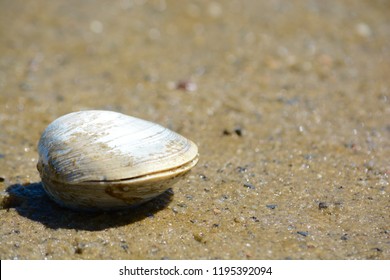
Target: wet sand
(288, 103)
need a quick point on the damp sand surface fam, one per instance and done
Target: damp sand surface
(287, 101)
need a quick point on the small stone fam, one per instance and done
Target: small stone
(322, 205)
(226, 132)
(200, 237)
(239, 219)
(186, 86)
(96, 26)
(344, 237)
(303, 233)
(249, 186)
(78, 251)
(124, 247)
(271, 206)
(238, 131)
(363, 29)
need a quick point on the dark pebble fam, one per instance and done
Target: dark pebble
(226, 132)
(271, 206)
(238, 131)
(322, 205)
(203, 177)
(78, 251)
(344, 237)
(2, 179)
(249, 186)
(303, 233)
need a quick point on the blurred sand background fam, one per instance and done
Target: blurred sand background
(288, 102)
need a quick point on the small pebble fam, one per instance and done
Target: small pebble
(96, 26)
(186, 86)
(78, 251)
(238, 131)
(271, 206)
(303, 233)
(249, 186)
(344, 237)
(239, 219)
(199, 237)
(322, 205)
(124, 247)
(363, 29)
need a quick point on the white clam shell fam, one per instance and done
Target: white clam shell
(108, 160)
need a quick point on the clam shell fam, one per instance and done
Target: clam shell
(108, 160)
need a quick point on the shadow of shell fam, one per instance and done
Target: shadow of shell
(32, 202)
